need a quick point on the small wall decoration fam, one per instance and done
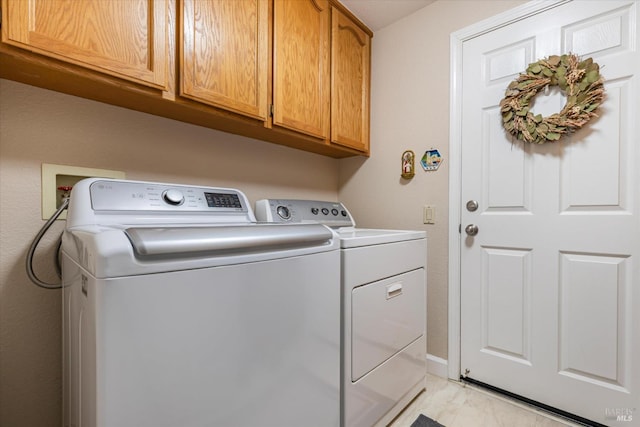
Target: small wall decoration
(431, 160)
(408, 164)
(580, 80)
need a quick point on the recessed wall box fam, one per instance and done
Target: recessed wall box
(55, 176)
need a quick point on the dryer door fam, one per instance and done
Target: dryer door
(387, 316)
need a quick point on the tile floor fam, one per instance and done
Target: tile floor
(455, 405)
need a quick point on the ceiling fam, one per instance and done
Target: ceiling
(377, 14)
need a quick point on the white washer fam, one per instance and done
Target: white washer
(180, 310)
(383, 309)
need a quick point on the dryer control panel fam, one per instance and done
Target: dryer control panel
(331, 214)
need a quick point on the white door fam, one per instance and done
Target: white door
(550, 285)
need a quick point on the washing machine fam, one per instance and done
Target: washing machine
(383, 281)
(180, 310)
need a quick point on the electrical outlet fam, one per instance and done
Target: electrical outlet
(56, 176)
(429, 215)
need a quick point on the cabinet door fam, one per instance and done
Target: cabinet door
(350, 84)
(127, 39)
(225, 54)
(301, 66)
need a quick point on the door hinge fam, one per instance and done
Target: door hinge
(459, 228)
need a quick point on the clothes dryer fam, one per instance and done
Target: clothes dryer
(383, 280)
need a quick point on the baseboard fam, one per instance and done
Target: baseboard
(437, 366)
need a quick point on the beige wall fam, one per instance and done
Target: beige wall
(410, 111)
(39, 126)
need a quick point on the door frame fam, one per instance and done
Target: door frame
(457, 40)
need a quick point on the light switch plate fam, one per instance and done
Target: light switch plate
(429, 215)
(54, 176)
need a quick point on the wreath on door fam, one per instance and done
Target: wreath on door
(582, 84)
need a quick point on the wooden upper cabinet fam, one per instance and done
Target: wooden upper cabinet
(301, 43)
(225, 54)
(293, 72)
(127, 39)
(350, 83)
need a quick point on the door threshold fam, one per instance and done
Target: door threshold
(537, 405)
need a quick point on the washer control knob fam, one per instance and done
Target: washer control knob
(334, 211)
(173, 197)
(315, 211)
(283, 212)
(325, 211)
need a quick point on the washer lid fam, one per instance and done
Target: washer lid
(109, 252)
(355, 237)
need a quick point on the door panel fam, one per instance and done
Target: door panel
(506, 301)
(506, 171)
(547, 283)
(587, 281)
(584, 172)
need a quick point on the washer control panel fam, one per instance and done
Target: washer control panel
(117, 202)
(332, 214)
(139, 196)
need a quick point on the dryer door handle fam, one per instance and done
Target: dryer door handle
(394, 290)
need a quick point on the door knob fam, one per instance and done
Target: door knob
(471, 229)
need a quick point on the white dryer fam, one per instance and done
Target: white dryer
(181, 310)
(383, 279)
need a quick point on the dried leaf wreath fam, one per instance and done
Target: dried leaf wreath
(582, 84)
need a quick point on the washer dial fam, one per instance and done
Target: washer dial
(173, 197)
